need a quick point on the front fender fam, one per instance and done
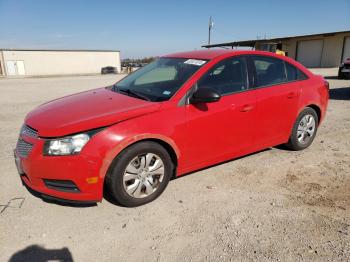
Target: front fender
(128, 141)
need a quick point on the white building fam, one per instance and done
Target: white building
(22, 62)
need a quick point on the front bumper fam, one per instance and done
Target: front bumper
(35, 169)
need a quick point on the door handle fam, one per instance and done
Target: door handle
(291, 95)
(246, 108)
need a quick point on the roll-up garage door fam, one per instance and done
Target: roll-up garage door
(310, 53)
(346, 52)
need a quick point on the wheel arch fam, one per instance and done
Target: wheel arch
(318, 111)
(165, 142)
(310, 105)
(167, 146)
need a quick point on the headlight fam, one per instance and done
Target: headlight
(69, 145)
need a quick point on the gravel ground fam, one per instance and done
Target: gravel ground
(274, 205)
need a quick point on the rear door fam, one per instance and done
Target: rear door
(277, 99)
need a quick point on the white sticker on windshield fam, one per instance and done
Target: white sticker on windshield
(166, 93)
(195, 62)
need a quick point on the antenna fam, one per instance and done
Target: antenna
(211, 25)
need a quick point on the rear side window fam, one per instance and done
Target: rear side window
(293, 73)
(301, 75)
(269, 71)
(228, 76)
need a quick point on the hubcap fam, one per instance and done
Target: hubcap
(306, 129)
(143, 175)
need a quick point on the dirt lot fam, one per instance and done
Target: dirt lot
(273, 205)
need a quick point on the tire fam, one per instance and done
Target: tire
(130, 171)
(301, 136)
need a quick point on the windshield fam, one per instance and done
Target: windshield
(159, 80)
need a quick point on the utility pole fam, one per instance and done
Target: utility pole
(211, 25)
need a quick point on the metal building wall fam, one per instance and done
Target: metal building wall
(332, 48)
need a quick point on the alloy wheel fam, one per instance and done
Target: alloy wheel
(306, 129)
(143, 175)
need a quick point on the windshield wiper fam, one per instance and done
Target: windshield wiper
(132, 93)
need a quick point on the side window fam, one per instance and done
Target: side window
(301, 75)
(269, 71)
(293, 73)
(226, 77)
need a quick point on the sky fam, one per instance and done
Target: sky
(151, 28)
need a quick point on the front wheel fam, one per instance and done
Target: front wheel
(140, 174)
(304, 130)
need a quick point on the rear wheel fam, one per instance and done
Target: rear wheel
(140, 174)
(304, 130)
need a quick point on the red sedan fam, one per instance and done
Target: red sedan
(183, 112)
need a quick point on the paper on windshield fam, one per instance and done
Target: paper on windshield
(195, 62)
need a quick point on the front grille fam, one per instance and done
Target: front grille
(23, 147)
(28, 131)
(62, 185)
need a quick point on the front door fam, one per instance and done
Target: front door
(220, 130)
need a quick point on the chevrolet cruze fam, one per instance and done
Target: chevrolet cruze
(181, 113)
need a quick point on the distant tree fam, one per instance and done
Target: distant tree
(145, 60)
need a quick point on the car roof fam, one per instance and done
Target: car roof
(200, 54)
(209, 54)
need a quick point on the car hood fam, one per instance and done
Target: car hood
(85, 111)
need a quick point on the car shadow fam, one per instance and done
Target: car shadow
(331, 77)
(51, 200)
(108, 197)
(201, 107)
(39, 254)
(221, 163)
(342, 93)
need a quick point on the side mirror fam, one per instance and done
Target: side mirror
(205, 95)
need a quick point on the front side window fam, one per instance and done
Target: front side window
(159, 80)
(228, 76)
(269, 71)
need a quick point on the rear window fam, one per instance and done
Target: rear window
(293, 73)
